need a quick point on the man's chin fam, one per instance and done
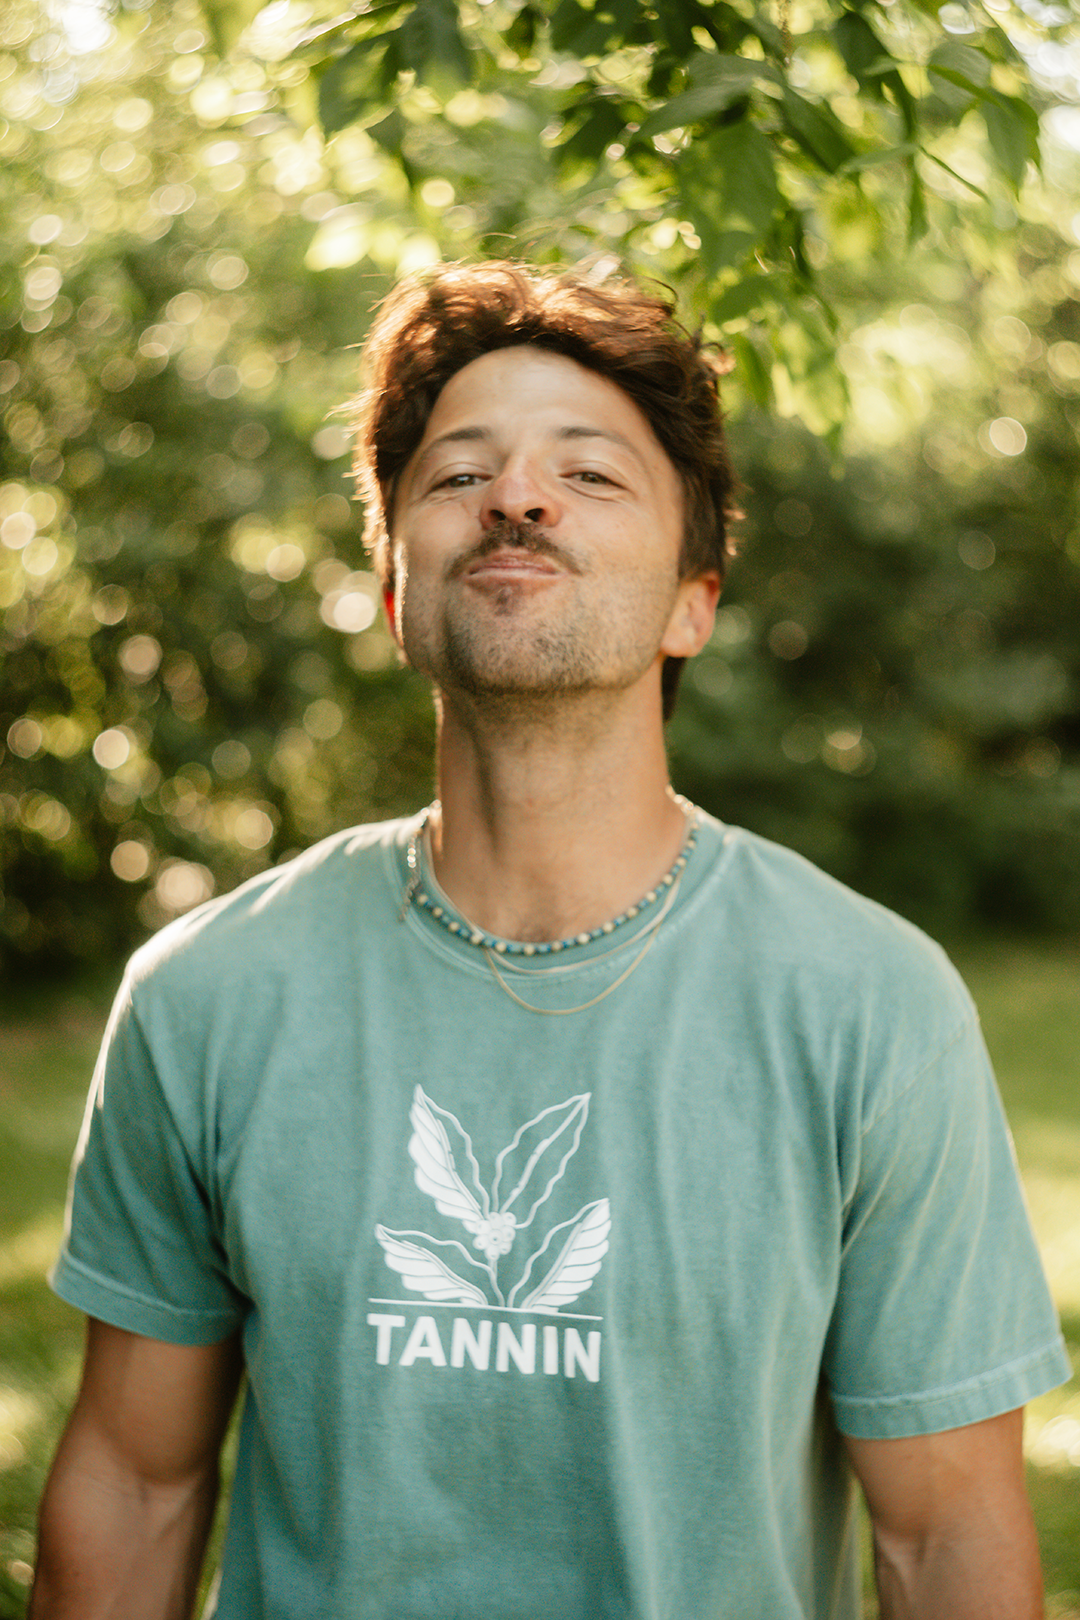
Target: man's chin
(513, 685)
(526, 667)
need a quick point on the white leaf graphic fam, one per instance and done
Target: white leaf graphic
(578, 1261)
(436, 1169)
(425, 1273)
(534, 1138)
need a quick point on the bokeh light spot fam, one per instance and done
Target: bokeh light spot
(976, 550)
(1004, 436)
(253, 828)
(285, 562)
(110, 604)
(331, 442)
(17, 530)
(231, 759)
(25, 737)
(323, 719)
(788, 639)
(46, 228)
(227, 270)
(139, 658)
(182, 884)
(130, 860)
(112, 748)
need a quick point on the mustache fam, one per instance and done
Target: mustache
(507, 535)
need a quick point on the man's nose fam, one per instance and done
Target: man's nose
(519, 495)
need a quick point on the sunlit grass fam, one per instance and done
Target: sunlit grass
(46, 1054)
(1030, 1004)
(1029, 997)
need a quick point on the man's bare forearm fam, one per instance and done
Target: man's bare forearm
(980, 1578)
(113, 1547)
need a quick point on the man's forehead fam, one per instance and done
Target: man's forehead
(556, 393)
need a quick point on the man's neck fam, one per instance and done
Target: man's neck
(552, 824)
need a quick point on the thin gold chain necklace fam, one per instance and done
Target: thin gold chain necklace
(496, 949)
(563, 1012)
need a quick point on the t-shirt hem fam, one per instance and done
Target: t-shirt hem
(888, 1417)
(109, 1301)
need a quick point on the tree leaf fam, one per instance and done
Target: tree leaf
(352, 86)
(905, 101)
(576, 30)
(1012, 128)
(227, 20)
(604, 121)
(868, 61)
(726, 26)
(742, 298)
(751, 370)
(728, 185)
(693, 106)
(389, 133)
(859, 46)
(768, 34)
(718, 67)
(522, 32)
(678, 19)
(918, 219)
(932, 157)
(320, 34)
(587, 31)
(881, 154)
(961, 64)
(431, 44)
(817, 132)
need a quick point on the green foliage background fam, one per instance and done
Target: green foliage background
(199, 209)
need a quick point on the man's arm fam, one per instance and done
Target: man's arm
(129, 1502)
(953, 1534)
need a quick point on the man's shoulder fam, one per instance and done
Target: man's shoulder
(278, 913)
(802, 920)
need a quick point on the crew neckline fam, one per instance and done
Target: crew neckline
(608, 951)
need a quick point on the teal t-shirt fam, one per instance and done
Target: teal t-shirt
(558, 1315)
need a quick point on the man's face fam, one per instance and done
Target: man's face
(536, 534)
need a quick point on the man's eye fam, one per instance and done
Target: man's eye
(588, 476)
(460, 480)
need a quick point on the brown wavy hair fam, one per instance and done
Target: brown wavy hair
(435, 323)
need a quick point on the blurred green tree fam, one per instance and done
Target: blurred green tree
(739, 150)
(196, 679)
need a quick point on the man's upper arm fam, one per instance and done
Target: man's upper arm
(157, 1411)
(129, 1502)
(952, 1507)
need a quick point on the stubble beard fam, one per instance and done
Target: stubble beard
(505, 659)
(504, 653)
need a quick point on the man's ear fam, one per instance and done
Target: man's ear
(693, 616)
(391, 613)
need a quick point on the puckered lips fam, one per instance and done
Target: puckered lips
(511, 565)
(513, 554)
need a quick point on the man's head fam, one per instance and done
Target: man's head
(434, 325)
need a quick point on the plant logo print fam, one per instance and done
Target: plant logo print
(556, 1273)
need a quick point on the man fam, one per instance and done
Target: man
(588, 1188)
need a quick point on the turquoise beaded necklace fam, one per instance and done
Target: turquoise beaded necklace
(416, 894)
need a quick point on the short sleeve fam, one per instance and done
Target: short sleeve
(140, 1249)
(944, 1317)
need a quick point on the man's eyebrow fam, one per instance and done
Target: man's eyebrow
(473, 435)
(611, 434)
(464, 435)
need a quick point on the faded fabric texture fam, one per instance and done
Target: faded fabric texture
(558, 1315)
